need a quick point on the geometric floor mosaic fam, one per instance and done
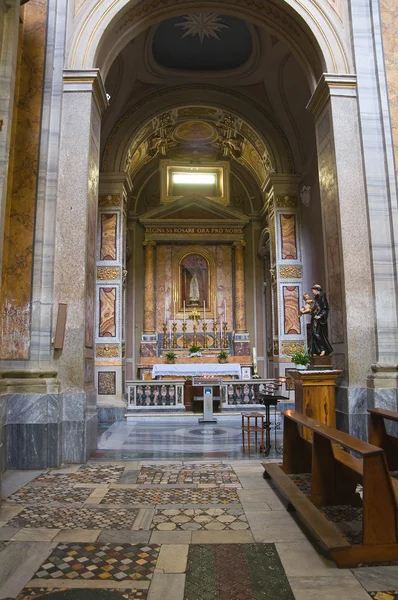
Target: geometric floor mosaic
(80, 594)
(65, 517)
(348, 520)
(105, 474)
(236, 572)
(49, 493)
(156, 475)
(171, 496)
(393, 595)
(211, 519)
(302, 481)
(100, 561)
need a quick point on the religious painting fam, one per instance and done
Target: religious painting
(194, 277)
(288, 235)
(108, 249)
(107, 312)
(292, 325)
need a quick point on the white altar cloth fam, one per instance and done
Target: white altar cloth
(196, 369)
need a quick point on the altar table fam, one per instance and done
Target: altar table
(196, 370)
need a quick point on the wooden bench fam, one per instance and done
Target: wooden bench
(335, 474)
(379, 437)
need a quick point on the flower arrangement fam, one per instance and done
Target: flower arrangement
(171, 356)
(195, 351)
(300, 358)
(222, 356)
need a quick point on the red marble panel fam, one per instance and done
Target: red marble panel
(108, 237)
(288, 235)
(107, 308)
(291, 310)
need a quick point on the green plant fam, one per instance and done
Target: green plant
(223, 354)
(300, 358)
(194, 349)
(170, 355)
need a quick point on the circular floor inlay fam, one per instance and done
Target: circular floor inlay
(208, 433)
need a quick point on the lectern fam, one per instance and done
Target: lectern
(208, 384)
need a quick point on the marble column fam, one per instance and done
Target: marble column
(241, 336)
(374, 42)
(240, 308)
(84, 100)
(149, 341)
(9, 37)
(110, 306)
(345, 220)
(285, 275)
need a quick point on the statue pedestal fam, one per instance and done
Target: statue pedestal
(321, 362)
(315, 395)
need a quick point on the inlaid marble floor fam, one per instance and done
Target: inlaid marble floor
(182, 437)
(180, 529)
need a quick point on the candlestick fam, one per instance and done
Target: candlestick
(225, 328)
(174, 310)
(165, 313)
(165, 335)
(170, 336)
(215, 308)
(184, 310)
(254, 354)
(204, 309)
(174, 335)
(215, 334)
(204, 334)
(225, 311)
(184, 334)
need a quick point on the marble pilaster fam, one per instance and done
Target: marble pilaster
(149, 336)
(110, 279)
(9, 37)
(241, 336)
(285, 265)
(345, 227)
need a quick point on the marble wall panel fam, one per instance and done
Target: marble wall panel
(106, 383)
(15, 300)
(291, 307)
(389, 20)
(329, 195)
(108, 250)
(107, 311)
(288, 236)
(92, 207)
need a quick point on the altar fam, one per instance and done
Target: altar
(196, 370)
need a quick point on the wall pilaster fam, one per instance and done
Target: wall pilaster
(110, 290)
(285, 268)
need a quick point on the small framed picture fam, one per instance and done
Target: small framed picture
(246, 372)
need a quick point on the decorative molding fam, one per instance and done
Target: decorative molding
(276, 348)
(109, 200)
(289, 347)
(108, 273)
(286, 202)
(107, 350)
(290, 272)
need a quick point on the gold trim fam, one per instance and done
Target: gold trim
(290, 272)
(108, 273)
(286, 201)
(107, 351)
(109, 200)
(289, 347)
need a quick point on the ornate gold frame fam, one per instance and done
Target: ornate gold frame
(176, 280)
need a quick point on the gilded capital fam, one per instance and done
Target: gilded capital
(149, 244)
(240, 244)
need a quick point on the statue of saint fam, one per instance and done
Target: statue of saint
(320, 344)
(194, 290)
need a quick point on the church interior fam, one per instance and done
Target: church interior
(199, 299)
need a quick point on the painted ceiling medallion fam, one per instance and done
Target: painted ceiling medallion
(202, 25)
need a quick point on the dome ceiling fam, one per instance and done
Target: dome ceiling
(202, 42)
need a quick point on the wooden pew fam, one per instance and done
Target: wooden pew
(335, 474)
(379, 437)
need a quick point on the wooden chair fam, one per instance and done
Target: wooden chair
(335, 474)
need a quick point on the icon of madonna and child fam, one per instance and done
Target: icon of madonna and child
(318, 308)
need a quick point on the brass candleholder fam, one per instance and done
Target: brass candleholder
(204, 334)
(225, 334)
(184, 334)
(164, 336)
(195, 339)
(174, 335)
(215, 342)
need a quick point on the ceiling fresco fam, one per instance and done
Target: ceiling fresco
(202, 42)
